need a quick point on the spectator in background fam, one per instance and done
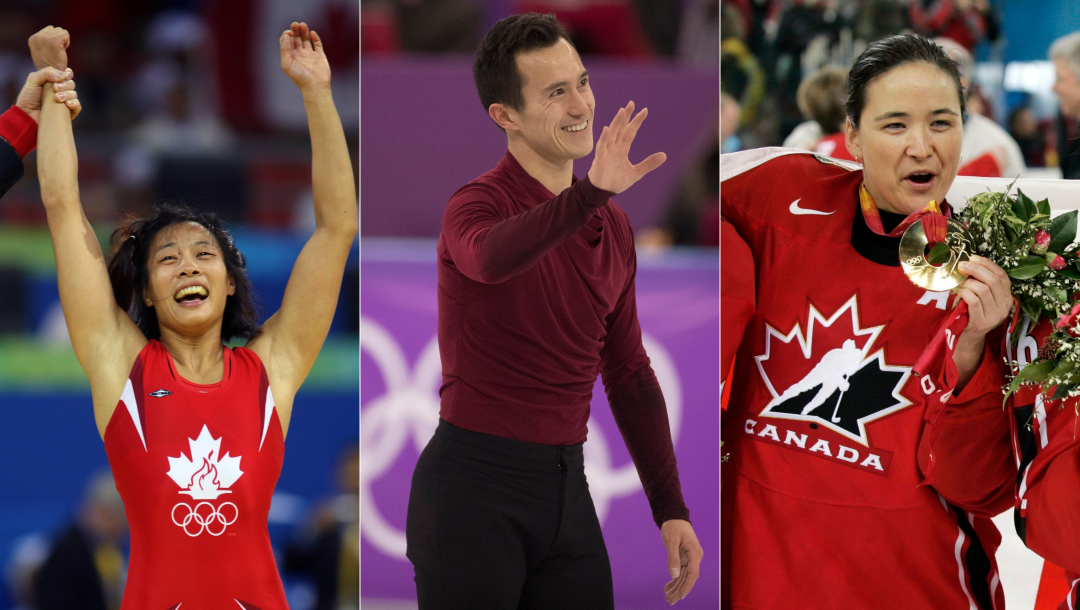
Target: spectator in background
(988, 150)
(85, 570)
(699, 34)
(1065, 53)
(329, 550)
(968, 22)
(821, 100)
(806, 29)
(596, 27)
(174, 94)
(177, 128)
(880, 18)
(1024, 128)
(741, 74)
(660, 20)
(438, 26)
(729, 123)
(31, 551)
(693, 217)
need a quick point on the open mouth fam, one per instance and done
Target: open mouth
(922, 178)
(191, 294)
(576, 128)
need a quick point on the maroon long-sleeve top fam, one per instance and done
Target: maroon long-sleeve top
(536, 297)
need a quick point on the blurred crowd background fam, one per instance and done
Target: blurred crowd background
(661, 53)
(184, 100)
(784, 67)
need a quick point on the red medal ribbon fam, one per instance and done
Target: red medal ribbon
(934, 218)
(936, 363)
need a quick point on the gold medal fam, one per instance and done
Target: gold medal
(919, 270)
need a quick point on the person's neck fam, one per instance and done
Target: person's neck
(199, 359)
(556, 175)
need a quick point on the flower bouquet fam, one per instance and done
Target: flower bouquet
(1039, 255)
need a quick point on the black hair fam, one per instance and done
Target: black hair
(892, 52)
(495, 69)
(128, 269)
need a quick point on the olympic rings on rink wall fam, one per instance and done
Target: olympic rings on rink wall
(408, 411)
(208, 522)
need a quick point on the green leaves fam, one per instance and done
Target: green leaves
(1034, 373)
(1063, 369)
(939, 254)
(1023, 208)
(1063, 231)
(1070, 272)
(1057, 292)
(1029, 267)
(1009, 228)
(1044, 207)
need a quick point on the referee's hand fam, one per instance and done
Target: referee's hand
(683, 558)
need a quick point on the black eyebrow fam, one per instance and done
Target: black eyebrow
(562, 83)
(896, 114)
(166, 245)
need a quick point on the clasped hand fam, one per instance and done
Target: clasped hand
(62, 87)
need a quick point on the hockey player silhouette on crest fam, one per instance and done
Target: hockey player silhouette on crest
(831, 373)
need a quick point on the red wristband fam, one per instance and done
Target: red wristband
(19, 130)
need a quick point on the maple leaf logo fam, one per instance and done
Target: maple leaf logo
(204, 476)
(833, 379)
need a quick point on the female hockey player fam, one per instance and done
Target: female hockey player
(853, 483)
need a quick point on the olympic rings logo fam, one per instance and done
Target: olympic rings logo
(208, 522)
(407, 413)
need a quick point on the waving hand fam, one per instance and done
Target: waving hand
(611, 169)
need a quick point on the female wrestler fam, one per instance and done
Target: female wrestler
(194, 430)
(846, 487)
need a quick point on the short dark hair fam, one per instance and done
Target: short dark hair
(129, 275)
(892, 52)
(495, 69)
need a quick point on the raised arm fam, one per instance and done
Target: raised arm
(105, 339)
(292, 337)
(490, 249)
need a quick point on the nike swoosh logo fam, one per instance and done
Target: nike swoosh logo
(796, 210)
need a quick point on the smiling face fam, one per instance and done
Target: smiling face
(909, 137)
(556, 120)
(187, 281)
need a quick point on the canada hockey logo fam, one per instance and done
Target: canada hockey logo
(829, 375)
(205, 476)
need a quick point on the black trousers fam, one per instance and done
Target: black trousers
(495, 523)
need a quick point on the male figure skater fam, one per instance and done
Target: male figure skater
(536, 296)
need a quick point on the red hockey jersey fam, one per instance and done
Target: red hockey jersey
(196, 467)
(1046, 444)
(845, 487)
